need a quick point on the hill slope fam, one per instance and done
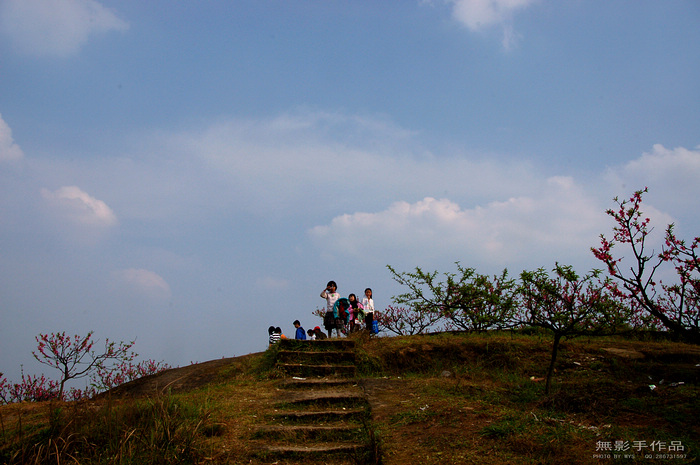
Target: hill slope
(446, 398)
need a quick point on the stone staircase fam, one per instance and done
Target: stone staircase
(321, 412)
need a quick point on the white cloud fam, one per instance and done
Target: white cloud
(70, 202)
(8, 149)
(671, 175)
(558, 223)
(666, 165)
(55, 27)
(478, 15)
(145, 282)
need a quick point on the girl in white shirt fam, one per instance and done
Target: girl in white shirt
(368, 306)
(330, 293)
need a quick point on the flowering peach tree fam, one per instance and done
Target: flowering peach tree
(74, 356)
(569, 305)
(674, 304)
(406, 321)
(32, 388)
(106, 377)
(682, 298)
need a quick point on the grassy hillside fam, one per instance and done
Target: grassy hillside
(442, 399)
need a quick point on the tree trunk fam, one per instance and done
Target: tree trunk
(550, 371)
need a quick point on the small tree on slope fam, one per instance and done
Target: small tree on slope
(569, 305)
(75, 358)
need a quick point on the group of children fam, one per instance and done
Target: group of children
(347, 314)
(276, 335)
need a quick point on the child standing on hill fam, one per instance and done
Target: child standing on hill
(300, 334)
(354, 310)
(368, 306)
(320, 335)
(274, 335)
(330, 293)
(341, 312)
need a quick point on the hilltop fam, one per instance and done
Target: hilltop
(431, 399)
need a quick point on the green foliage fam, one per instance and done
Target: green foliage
(569, 305)
(465, 300)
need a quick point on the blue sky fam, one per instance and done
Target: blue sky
(189, 173)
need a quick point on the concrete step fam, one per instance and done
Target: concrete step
(318, 416)
(340, 432)
(322, 415)
(317, 383)
(309, 370)
(316, 358)
(296, 399)
(317, 451)
(337, 344)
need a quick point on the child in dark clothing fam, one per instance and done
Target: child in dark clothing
(320, 335)
(354, 310)
(300, 334)
(340, 314)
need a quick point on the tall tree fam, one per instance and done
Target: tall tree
(674, 304)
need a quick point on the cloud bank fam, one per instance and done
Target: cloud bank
(328, 162)
(370, 191)
(558, 223)
(367, 190)
(675, 171)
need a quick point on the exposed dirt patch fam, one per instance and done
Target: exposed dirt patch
(624, 353)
